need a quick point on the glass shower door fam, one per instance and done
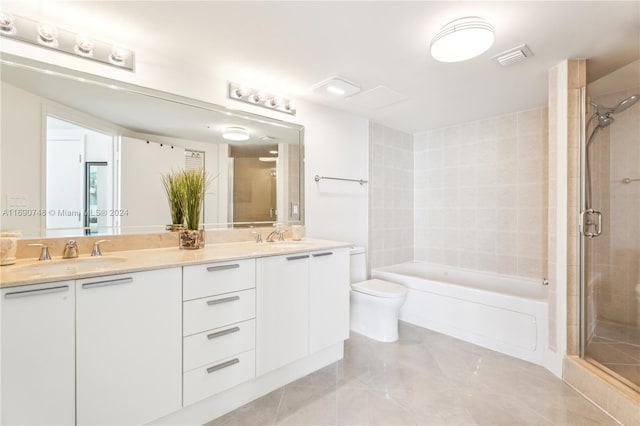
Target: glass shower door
(611, 230)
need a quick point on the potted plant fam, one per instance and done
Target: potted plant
(194, 184)
(174, 189)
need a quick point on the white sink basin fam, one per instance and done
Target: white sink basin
(72, 265)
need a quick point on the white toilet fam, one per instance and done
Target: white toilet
(375, 304)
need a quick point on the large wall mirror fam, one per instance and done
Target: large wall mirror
(83, 155)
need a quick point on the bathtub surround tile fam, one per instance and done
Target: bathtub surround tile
(424, 378)
(499, 188)
(391, 188)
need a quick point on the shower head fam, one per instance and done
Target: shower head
(622, 105)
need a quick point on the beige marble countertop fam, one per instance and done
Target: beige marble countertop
(25, 272)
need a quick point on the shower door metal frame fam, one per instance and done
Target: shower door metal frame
(582, 291)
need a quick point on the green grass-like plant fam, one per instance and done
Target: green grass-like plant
(174, 188)
(194, 184)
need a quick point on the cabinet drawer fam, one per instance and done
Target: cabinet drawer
(216, 377)
(217, 311)
(213, 345)
(218, 278)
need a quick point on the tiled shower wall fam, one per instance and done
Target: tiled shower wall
(612, 259)
(390, 196)
(480, 194)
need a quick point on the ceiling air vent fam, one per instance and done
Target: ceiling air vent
(511, 56)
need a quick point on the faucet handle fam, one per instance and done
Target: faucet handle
(96, 247)
(70, 250)
(281, 233)
(44, 254)
(258, 236)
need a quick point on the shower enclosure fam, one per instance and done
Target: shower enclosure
(610, 332)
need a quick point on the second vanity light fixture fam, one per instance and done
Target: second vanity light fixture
(257, 97)
(49, 36)
(462, 39)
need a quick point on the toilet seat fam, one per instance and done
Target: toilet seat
(380, 288)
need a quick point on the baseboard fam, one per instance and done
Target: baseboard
(554, 362)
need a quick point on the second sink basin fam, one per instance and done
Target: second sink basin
(62, 265)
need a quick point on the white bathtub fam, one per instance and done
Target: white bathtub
(505, 313)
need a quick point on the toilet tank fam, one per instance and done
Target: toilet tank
(358, 266)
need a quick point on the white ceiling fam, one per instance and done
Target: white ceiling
(290, 46)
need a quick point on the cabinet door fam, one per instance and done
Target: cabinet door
(38, 354)
(282, 311)
(129, 347)
(328, 298)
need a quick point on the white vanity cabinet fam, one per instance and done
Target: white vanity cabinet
(219, 327)
(128, 347)
(282, 310)
(302, 305)
(38, 385)
(328, 298)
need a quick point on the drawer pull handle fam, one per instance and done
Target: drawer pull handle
(326, 253)
(223, 365)
(37, 292)
(224, 300)
(108, 282)
(304, 256)
(223, 267)
(223, 332)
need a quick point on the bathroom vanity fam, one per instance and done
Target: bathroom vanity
(167, 335)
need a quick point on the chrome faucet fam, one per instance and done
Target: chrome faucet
(44, 254)
(70, 250)
(276, 234)
(96, 248)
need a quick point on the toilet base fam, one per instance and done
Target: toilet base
(375, 317)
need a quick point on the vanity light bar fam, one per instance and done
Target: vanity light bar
(257, 97)
(80, 45)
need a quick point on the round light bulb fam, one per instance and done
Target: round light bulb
(47, 35)
(84, 46)
(7, 23)
(240, 92)
(118, 55)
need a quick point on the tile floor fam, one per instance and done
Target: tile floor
(617, 347)
(425, 378)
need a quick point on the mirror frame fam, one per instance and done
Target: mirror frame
(92, 79)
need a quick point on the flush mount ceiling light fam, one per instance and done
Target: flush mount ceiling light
(336, 86)
(235, 134)
(79, 45)
(257, 97)
(462, 39)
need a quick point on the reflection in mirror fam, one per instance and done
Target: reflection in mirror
(84, 156)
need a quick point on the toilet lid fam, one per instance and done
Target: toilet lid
(380, 288)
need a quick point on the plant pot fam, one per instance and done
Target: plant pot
(174, 227)
(191, 239)
(8, 247)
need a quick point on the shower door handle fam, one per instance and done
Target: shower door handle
(586, 223)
